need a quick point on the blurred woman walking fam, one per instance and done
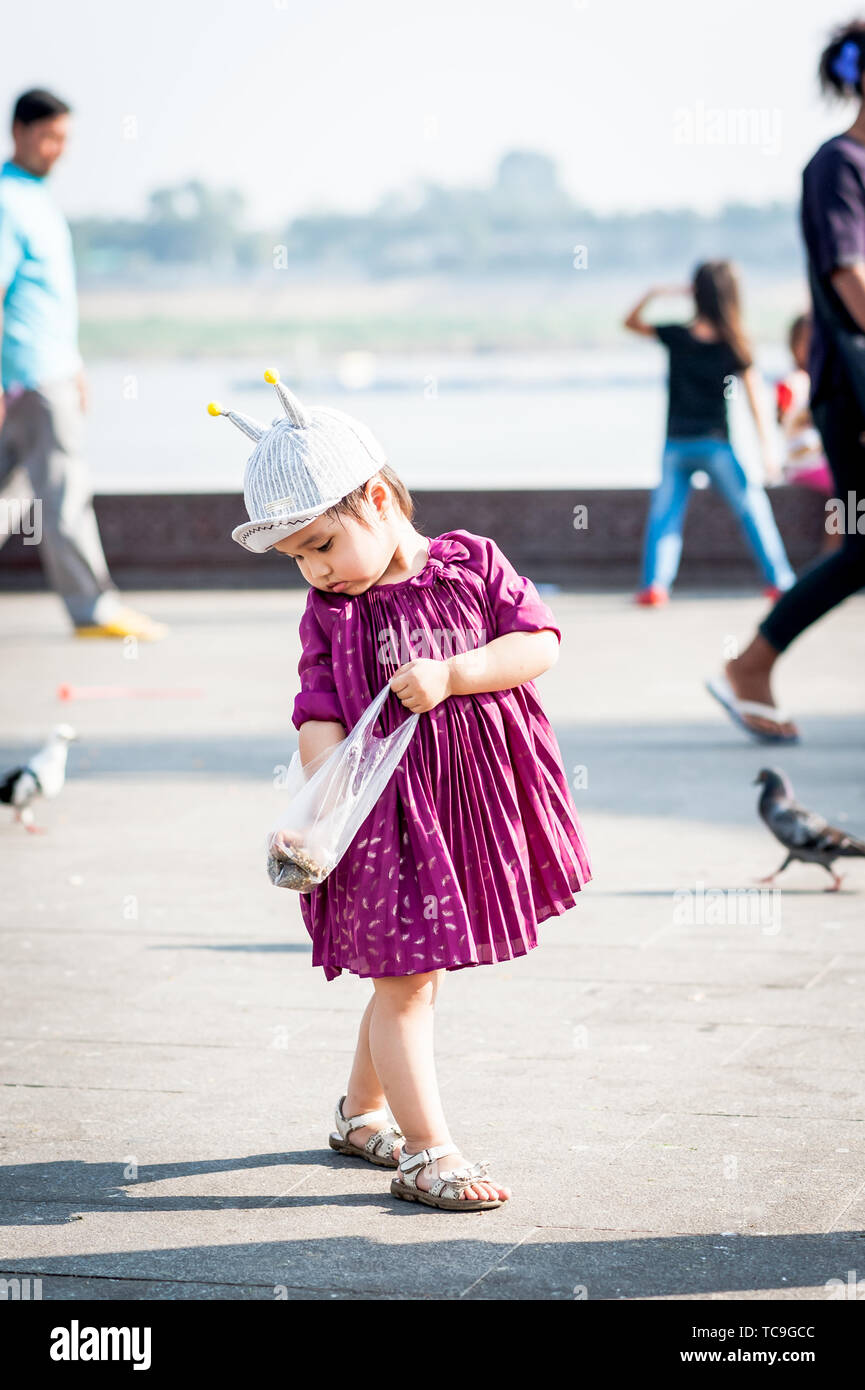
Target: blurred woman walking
(833, 229)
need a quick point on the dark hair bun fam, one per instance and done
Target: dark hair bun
(839, 71)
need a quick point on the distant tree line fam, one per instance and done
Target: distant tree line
(524, 223)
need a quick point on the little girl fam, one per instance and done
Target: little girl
(475, 840)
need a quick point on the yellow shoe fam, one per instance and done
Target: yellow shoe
(127, 623)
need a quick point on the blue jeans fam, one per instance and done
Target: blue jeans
(663, 539)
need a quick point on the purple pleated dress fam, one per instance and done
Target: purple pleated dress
(476, 839)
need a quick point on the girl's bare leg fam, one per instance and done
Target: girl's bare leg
(364, 1091)
(401, 1050)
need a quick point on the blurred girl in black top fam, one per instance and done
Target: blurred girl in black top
(707, 356)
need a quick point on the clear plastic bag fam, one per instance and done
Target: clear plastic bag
(330, 798)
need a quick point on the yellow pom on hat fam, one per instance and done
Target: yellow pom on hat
(271, 376)
(214, 408)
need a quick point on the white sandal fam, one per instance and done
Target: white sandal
(445, 1190)
(378, 1148)
(720, 687)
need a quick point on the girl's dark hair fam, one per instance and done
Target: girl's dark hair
(355, 503)
(830, 83)
(716, 291)
(36, 104)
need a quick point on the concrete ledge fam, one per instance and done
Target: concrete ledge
(183, 540)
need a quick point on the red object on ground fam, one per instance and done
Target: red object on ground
(652, 597)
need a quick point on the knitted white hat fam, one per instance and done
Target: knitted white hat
(299, 467)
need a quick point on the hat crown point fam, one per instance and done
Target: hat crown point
(250, 427)
(295, 412)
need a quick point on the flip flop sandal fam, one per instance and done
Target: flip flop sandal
(378, 1148)
(721, 689)
(446, 1189)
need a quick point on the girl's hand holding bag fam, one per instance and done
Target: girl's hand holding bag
(330, 798)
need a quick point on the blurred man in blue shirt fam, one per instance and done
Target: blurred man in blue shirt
(44, 393)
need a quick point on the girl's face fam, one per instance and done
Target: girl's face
(341, 555)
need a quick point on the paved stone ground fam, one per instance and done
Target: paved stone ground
(677, 1105)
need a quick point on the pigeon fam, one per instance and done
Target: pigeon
(804, 834)
(44, 775)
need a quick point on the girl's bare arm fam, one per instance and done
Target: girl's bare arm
(753, 383)
(635, 321)
(316, 736)
(505, 662)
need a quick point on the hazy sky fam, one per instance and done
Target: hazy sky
(330, 103)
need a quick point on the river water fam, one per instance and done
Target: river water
(585, 419)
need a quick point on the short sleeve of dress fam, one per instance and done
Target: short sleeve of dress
(318, 698)
(516, 603)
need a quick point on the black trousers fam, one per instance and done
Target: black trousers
(828, 582)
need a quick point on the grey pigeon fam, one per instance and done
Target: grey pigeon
(804, 834)
(44, 775)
